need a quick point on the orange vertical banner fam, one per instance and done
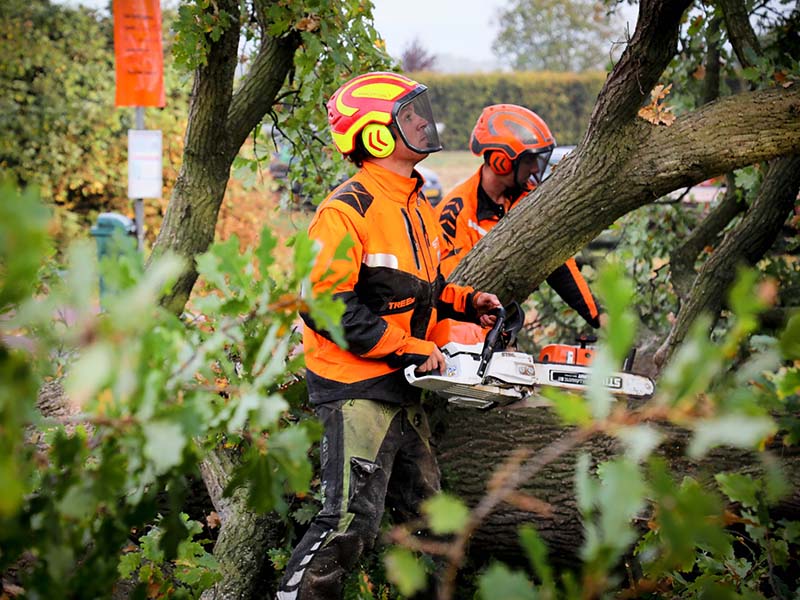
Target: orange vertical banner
(138, 53)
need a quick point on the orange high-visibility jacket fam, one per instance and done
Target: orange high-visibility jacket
(467, 214)
(389, 281)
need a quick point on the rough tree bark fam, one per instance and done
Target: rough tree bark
(244, 538)
(475, 442)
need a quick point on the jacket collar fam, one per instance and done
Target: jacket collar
(488, 208)
(393, 185)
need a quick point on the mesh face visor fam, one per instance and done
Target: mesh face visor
(413, 118)
(534, 164)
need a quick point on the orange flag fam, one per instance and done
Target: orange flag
(138, 53)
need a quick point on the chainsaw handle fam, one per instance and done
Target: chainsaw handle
(491, 338)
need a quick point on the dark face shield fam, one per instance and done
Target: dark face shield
(413, 118)
(530, 166)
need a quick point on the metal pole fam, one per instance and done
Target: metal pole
(138, 203)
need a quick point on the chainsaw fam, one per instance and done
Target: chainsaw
(485, 374)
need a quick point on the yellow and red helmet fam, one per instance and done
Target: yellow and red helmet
(507, 132)
(367, 104)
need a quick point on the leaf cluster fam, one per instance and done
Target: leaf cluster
(338, 41)
(146, 395)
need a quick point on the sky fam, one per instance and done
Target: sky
(449, 29)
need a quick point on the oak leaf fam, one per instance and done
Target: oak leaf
(657, 112)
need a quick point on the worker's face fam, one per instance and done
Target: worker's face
(414, 121)
(413, 126)
(531, 168)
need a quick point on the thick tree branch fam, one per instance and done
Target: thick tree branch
(712, 62)
(211, 95)
(652, 46)
(746, 243)
(682, 273)
(258, 91)
(740, 33)
(639, 164)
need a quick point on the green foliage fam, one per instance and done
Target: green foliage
(338, 41)
(445, 514)
(699, 557)
(151, 395)
(197, 25)
(23, 243)
(501, 582)
(553, 35)
(186, 576)
(405, 571)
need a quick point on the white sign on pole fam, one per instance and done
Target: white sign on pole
(145, 178)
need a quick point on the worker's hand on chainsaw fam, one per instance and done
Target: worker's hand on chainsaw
(435, 363)
(483, 303)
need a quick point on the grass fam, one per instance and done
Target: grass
(452, 167)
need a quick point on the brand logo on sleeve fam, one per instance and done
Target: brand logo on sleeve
(401, 303)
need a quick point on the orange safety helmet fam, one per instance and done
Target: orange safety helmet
(366, 105)
(507, 132)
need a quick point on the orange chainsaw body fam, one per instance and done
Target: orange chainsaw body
(566, 354)
(448, 330)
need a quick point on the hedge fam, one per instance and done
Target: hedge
(563, 100)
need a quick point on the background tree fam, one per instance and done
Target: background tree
(59, 128)
(549, 35)
(415, 57)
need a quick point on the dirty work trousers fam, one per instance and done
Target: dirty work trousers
(372, 455)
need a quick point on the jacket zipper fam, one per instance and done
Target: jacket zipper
(429, 261)
(410, 232)
(427, 239)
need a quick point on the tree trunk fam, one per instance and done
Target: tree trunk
(219, 123)
(244, 538)
(474, 443)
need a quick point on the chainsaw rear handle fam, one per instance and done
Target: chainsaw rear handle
(491, 338)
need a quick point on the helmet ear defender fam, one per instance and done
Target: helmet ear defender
(499, 163)
(378, 140)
